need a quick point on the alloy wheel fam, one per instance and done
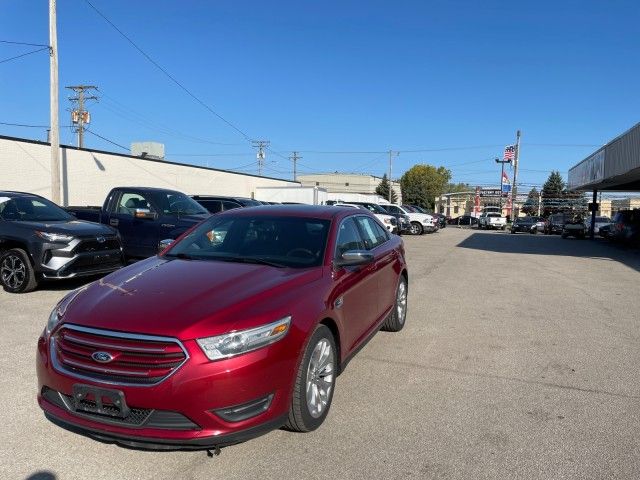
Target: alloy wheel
(320, 377)
(13, 271)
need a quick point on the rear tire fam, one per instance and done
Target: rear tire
(314, 383)
(16, 272)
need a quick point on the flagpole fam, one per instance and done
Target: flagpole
(514, 187)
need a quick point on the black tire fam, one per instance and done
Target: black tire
(16, 272)
(396, 319)
(301, 418)
(416, 228)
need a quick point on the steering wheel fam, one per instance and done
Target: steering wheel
(309, 253)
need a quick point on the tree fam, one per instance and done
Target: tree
(383, 189)
(530, 206)
(421, 184)
(458, 187)
(552, 194)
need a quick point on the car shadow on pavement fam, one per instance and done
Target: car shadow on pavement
(527, 244)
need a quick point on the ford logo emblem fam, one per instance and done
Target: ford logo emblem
(101, 239)
(102, 357)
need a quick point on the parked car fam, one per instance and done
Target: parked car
(492, 220)
(525, 224)
(216, 203)
(465, 220)
(389, 221)
(404, 224)
(540, 222)
(574, 227)
(143, 216)
(625, 226)
(600, 222)
(40, 241)
(555, 222)
(605, 231)
(420, 222)
(239, 327)
(440, 220)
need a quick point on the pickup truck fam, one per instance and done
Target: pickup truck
(144, 216)
(492, 220)
(419, 222)
(574, 227)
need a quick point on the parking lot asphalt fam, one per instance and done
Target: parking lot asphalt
(519, 359)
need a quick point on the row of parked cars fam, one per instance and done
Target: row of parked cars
(238, 327)
(42, 241)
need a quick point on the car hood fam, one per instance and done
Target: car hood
(78, 228)
(187, 298)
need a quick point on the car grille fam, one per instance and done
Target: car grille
(136, 359)
(93, 245)
(137, 417)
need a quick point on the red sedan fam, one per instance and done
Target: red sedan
(240, 327)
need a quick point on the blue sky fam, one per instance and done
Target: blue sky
(338, 76)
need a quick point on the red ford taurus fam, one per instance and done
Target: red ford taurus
(240, 327)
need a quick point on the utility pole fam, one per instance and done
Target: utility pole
(53, 106)
(80, 116)
(260, 145)
(514, 190)
(540, 202)
(295, 157)
(391, 155)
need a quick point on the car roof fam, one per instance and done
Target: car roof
(326, 212)
(13, 194)
(221, 197)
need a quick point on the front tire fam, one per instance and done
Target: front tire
(416, 228)
(315, 382)
(16, 272)
(396, 319)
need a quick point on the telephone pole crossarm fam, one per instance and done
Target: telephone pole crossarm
(260, 145)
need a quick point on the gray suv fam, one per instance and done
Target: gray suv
(39, 240)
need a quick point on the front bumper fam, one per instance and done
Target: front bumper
(197, 393)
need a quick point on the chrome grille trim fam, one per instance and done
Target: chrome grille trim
(59, 367)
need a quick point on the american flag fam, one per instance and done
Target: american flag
(509, 152)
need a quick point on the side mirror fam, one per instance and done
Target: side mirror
(144, 213)
(164, 244)
(353, 258)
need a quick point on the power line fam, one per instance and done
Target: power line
(107, 140)
(24, 43)
(29, 126)
(24, 55)
(168, 75)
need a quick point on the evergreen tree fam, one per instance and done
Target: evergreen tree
(383, 189)
(530, 206)
(553, 194)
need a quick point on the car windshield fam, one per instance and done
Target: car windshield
(418, 209)
(276, 241)
(493, 215)
(372, 207)
(248, 202)
(31, 209)
(410, 209)
(177, 203)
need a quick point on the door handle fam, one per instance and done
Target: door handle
(114, 222)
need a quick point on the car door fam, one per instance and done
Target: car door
(355, 293)
(137, 234)
(376, 240)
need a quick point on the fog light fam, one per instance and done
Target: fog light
(245, 411)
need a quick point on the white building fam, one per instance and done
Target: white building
(347, 183)
(88, 175)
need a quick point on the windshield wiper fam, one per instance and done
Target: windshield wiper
(259, 261)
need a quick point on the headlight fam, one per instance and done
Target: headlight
(54, 318)
(55, 237)
(243, 341)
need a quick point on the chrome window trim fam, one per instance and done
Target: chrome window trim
(58, 367)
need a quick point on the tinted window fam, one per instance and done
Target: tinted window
(393, 209)
(348, 237)
(283, 241)
(372, 233)
(214, 206)
(31, 209)
(176, 203)
(248, 202)
(227, 205)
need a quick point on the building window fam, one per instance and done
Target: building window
(346, 184)
(317, 184)
(455, 209)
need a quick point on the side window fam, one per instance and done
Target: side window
(129, 202)
(372, 232)
(393, 209)
(8, 209)
(229, 205)
(348, 237)
(213, 206)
